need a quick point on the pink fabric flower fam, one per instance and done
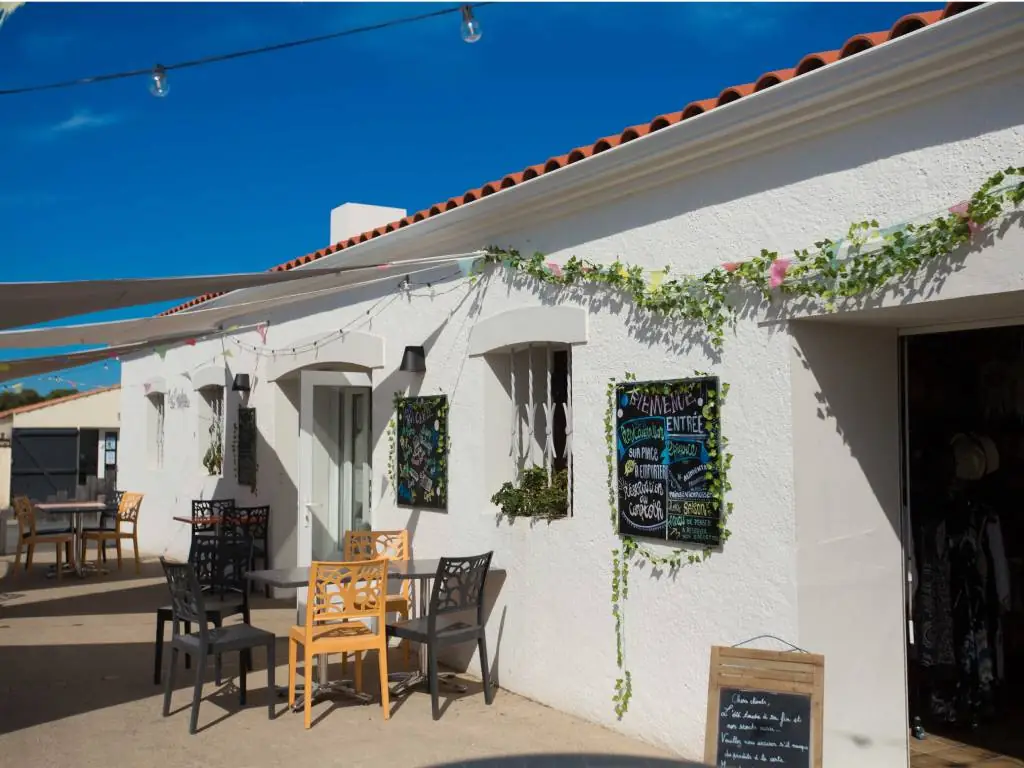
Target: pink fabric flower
(960, 209)
(555, 268)
(730, 266)
(778, 272)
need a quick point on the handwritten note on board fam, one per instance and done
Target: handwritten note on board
(421, 452)
(763, 728)
(764, 708)
(665, 466)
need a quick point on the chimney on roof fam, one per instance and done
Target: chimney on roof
(353, 219)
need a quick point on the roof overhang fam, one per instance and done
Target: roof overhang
(978, 45)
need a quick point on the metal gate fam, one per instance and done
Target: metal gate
(44, 462)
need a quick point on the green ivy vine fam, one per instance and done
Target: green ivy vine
(815, 273)
(630, 550)
(392, 433)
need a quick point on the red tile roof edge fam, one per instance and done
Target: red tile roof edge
(47, 403)
(854, 45)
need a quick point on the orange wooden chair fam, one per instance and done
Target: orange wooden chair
(394, 545)
(29, 536)
(127, 514)
(341, 597)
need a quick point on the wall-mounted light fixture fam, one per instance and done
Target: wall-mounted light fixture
(414, 360)
(241, 383)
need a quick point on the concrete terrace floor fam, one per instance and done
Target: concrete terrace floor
(76, 688)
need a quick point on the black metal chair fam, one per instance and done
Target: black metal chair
(208, 509)
(188, 602)
(219, 564)
(253, 522)
(458, 587)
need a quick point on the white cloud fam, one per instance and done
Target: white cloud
(81, 120)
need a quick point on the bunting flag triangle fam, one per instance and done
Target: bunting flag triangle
(466, 266)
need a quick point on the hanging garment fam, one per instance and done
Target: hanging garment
(1000, 565)
(971, 622)
(933, 602)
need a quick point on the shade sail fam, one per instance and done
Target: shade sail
(24, 304)
(197, 322)
(412, 263)
(34, 366)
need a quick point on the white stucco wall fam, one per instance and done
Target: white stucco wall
(551, 631)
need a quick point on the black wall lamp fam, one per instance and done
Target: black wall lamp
(414, 360)
(241, 383)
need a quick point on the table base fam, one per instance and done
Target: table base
(323, 691)
(81, 570)
(404, 681)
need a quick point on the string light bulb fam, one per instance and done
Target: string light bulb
(471, 30)
(158, 85)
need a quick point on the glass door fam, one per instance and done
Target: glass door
(334, 462)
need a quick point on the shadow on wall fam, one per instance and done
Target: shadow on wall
(278, 488)
(857, 387)
(460, 657)
(568, 760)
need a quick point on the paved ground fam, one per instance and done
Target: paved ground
(76, 689)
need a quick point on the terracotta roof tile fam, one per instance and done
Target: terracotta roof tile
(854, 45)
(56, 401)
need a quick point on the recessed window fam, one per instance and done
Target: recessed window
(155, 429)
(539, 386)
(210, 430)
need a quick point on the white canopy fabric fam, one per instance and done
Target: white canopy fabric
(195, 322)
(24, 304)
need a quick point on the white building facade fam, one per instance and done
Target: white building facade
(813, 415)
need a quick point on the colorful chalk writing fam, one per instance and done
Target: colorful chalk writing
(665, 466)
(421, 453)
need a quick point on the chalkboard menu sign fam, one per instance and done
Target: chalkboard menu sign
(758, 727)
(246, 467)
(664, 462)
(764, 708)
(421, 452)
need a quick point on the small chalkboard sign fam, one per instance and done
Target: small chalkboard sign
(764, 707)
(246, 467)
(666, 460)
(421, 452)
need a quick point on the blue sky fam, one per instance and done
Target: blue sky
(237, 169)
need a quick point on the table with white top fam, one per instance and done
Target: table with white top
(75, 510)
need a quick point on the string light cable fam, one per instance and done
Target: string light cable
(406, 287)
(158, 84)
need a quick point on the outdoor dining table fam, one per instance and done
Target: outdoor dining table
(75, 510)
(420, 571)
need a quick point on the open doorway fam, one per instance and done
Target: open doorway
(334, 461)
(964, 536)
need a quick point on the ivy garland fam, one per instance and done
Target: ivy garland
(392, 433)
(630, 549)
(811, 272)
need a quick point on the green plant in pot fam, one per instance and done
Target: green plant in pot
(213, 459)
(533, 496)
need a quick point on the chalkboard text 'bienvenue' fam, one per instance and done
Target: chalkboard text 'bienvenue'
(664, 461)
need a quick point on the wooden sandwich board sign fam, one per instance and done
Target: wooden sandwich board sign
(764, 708)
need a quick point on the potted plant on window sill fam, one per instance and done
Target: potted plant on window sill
(213, 459)
(534, 496)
